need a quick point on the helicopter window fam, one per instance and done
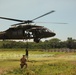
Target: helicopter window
(44, 30)
(49, 30)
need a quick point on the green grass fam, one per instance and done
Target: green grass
(39, 63)
(59, 68)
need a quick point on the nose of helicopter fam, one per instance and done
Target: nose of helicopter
(51, 34)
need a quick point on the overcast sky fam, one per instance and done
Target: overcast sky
(65, 12)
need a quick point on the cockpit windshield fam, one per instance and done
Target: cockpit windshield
(47, 30)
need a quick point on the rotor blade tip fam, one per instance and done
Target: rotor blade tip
(53, 10)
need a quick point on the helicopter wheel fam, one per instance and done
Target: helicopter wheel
(36, 40)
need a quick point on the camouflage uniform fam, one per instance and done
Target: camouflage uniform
(23, 61)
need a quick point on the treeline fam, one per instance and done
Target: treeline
(47, 44)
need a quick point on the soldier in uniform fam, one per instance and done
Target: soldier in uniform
(23, 61)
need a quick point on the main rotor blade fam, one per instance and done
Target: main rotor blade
(18, 24)
(44, 15)
(11, 19)
(52, 22)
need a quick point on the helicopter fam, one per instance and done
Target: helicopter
(25, 30)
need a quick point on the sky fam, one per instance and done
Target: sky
(65, 12)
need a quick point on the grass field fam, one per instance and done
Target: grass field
(39, 63)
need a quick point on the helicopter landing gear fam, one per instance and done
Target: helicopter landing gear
(36, 40)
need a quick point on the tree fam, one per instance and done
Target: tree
(70, 42)
(54, 43)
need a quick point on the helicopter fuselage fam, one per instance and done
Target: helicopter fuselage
(26, 32)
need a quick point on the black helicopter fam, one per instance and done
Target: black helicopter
(25, 30)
